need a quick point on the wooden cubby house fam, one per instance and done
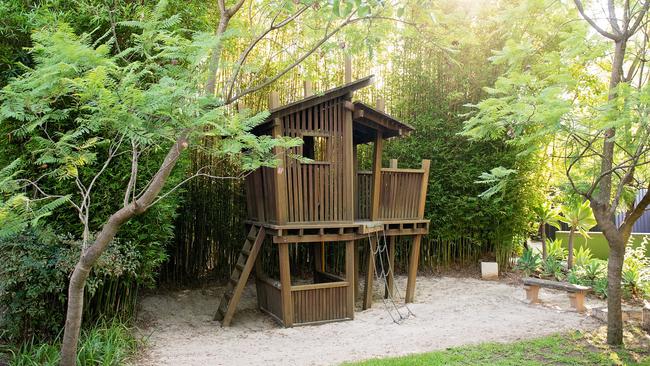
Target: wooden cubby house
(326, 203)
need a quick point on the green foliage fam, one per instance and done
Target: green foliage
(579, 216)
(34, 278)
(529, 263)
(428, 86)
(636, 271)
(547, 214)
(556, 250)
(582, 256)
(552, 268)
(591, 273)
(106, 344)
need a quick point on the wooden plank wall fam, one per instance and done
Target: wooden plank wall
(319, 304)
(316, 191)
(260, 195)
(269, 297)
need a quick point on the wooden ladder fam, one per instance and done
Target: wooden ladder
(239, 276)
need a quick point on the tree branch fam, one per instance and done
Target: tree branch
(600, 30)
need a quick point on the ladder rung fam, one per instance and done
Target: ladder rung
(240, 267)
(246, 252)
(233, 282)
(251, 238)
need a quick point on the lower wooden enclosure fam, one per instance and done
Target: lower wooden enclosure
(329, 292)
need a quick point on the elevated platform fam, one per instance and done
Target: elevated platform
(341, 231)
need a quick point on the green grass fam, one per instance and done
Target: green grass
(597, 242)
(107, 344)
(560, 349)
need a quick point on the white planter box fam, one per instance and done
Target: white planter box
(489, 270)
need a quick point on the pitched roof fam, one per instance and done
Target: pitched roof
(321, 97)
(368, 120)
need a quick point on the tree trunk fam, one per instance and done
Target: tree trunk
(614, 274)
(106, 235)
(569, 261)
(543, 228)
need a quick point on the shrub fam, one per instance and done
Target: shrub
(582, 256)
(34, 279)
(106, 344)
(529, 262)
(552, 268)
(636, 271)
(555, 250)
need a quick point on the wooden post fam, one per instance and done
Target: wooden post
(348, 69)
(390, 280)
(370, 274)
(285, 285)
(381, 104)
(426, 164)
(357, 262)
(307, 88)
(349, 276)
(414, 259)
(376, 177)
(348, 166)
(281, 174)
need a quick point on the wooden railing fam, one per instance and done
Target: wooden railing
(401, 195)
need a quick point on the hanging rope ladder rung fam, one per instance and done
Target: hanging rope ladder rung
(382, 277)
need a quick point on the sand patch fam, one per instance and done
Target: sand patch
(448, 312)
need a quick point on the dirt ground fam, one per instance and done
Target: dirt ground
(448, 312)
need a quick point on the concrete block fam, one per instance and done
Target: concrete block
(489, 270)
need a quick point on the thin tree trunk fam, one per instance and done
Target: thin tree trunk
(569, 260)
(544, 252)
(105, 236)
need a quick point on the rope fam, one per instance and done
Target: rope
(389, 303)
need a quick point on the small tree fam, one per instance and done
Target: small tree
(553, 86)
(546, 215)
(157, 94)
(580, 218)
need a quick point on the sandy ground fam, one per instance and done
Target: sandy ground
(448, 312)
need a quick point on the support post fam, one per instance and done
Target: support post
(307, 88)
(414, 259)
(390, 280)
(357, 262)
(381, 104)
(349, 277)
(348, 165)
(285, 285)
(376, 177)
(532, 293)
(281, 174)
(370, 274)
(426, 165)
